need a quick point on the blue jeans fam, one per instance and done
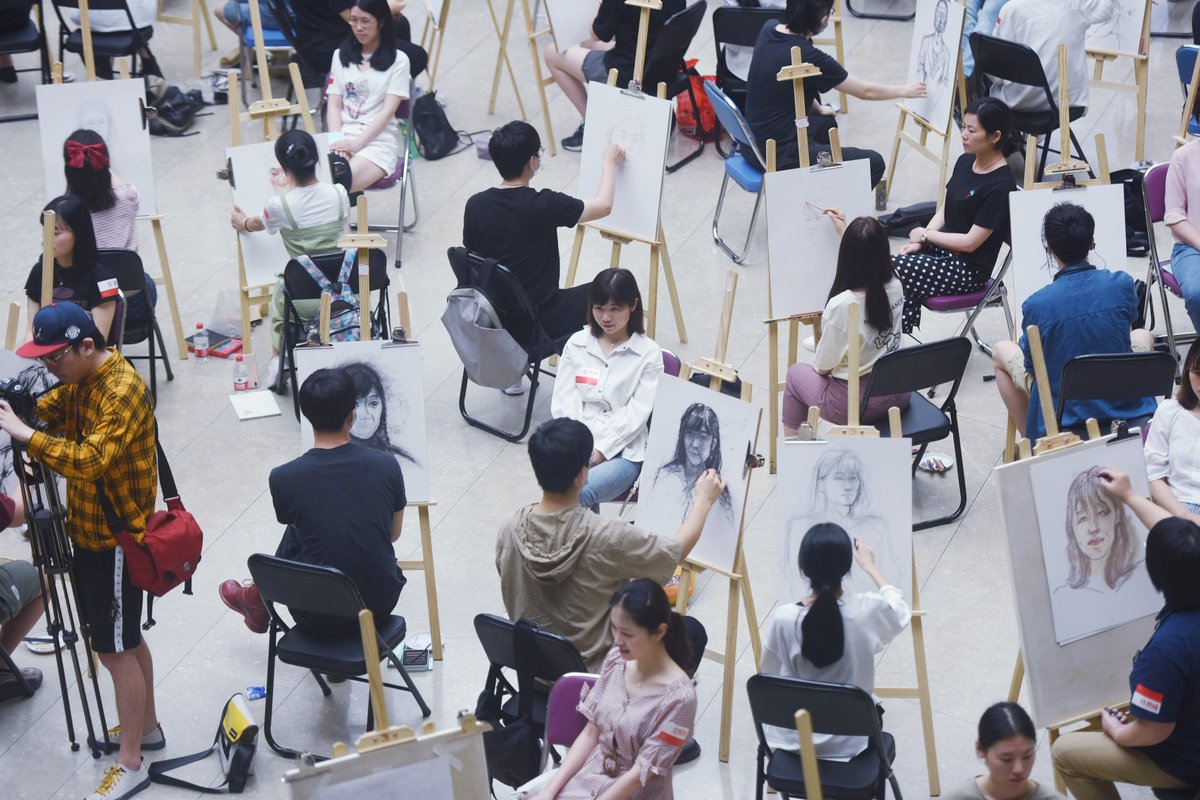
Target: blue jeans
(1185, 264)
(981, 16)
(607, 480)
(235, 12)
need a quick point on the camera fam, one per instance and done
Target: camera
(21, 399)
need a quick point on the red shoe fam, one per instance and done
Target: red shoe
(246, 600)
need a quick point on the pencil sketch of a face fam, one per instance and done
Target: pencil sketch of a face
(1117, 30)
(627, 134)
(933, 63)
(697, 448)
(370, 426)
(1102, 550)
(95, 116)
(279, 179)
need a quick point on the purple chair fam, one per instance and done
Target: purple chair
(991, 294)
(1154, 191)
(563, 722)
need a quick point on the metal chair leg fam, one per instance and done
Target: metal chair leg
(738, 258)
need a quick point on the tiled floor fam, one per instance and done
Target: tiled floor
(203, 652)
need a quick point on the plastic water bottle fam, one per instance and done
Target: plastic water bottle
(241, 378)
(200, 343)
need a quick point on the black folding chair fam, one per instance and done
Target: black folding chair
(836, 709)
(126, 267)
(665, 63)
(517, 316)
(740, 27)
(1121, 376)
(1016, 63)
(28, 39)
(913, 369)
(872, 15)
(309, 589)
(299, 285)
(105, 44)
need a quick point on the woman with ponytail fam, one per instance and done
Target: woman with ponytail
(832, 635)
(112, 201)
(640, 712)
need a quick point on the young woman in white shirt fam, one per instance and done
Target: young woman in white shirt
(1007, 745)
(832, 635)
(607, 377)
(367, 80)
(864, 275)
(1173, 445)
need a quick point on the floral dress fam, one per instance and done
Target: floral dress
(647, 731)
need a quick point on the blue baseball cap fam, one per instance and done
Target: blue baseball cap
(56, 325)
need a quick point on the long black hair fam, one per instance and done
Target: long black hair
(75, 215)
(366, 380)
(86, 165)
(618, 286)
(826, 555)
(646, 604)
(1004, 721)
(865, 264)
(385, 54)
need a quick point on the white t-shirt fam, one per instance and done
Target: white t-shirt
(1173, 450)
(833, 350)
(144, 13)
(309, 205)
(870, 622)
(363, 91)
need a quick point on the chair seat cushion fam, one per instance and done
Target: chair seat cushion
(24, 40)
(922, 421)
(959, 302)
(1169, 279)
(272, 39)
(856, 779)
(388, 181)
(340, 653)
(744, 174)
(115, 43)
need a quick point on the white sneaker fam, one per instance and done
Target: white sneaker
(516, 390)
(272, 372)
(121, 782)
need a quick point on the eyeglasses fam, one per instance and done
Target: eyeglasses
(541, 151)
(362, 22)
(51, 360)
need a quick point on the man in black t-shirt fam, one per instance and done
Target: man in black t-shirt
(518, 225)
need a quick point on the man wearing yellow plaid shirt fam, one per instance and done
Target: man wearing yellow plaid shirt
(99, 426)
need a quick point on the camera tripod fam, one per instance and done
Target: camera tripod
(54, 559)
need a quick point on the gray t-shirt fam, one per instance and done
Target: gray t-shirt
(969, 790)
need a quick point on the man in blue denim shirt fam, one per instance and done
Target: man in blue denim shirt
(1083, 311)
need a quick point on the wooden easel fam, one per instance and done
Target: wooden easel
(739, 578)
(532, 34)
(658, 248)
(920, 142)
(1141, 78)
(199, 12)
(852, 429)
(835, 19)
(1066, 164)
(1181, 138)
(432, 36)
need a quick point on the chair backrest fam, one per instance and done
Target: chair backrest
(731, 119)
(671, 363)
(98, 5)
(1010, 61)
(506, 294)
(665, 59)
(1185, 63)
(738, 25)
(911, 369)
(563, 722)
(554, 656)
(300, 285)
(126, 267)
(837, 709)
(496, 636)
(1118, 376)
(1154, 194)
(304, 587)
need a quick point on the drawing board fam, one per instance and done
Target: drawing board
(571, 21)
(864, 485)
(1080, 677)
(390, 414)
(112, 109)
(1093, 546)
(34, 376)
(1032, 266)
(802, 244)
(256, 177)
(937, 34)
(1121, 31)
(641, 126)
(1168, 16)
(695, 429)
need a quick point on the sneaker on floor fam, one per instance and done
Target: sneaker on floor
(232, 59)
(154, 740)
(121, 782)
(574, 142)
(8, 74)
(246, 600)
(516, 390)
(10, 687)
(810, 344)
(272, 373)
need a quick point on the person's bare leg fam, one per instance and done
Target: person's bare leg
(363, 173)
(567, 69)
(17, 628)
(129, 686)
(146, 665)
(228, 23)
(1014, 397)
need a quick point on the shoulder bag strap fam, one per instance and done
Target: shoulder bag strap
(159, 770)
(523, 651)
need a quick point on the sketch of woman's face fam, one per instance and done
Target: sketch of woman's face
(367, 412)
(842, 486)
(697, 446)
(1094, 527)
(939, 17)
(279, 179)
(94, 117)
(627, 135)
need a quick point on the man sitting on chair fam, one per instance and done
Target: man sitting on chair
(354, 519)
(1083, 311)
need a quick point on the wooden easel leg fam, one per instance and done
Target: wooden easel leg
(751, 612)
(204, 15)
(614, 257)
(1058, 779)
(773, 388)
(502, 58)
(942, 172)
(531, 34)
(1141, 74)
(652, 295)
(435, 624)
(196, 38)
(669, 274)
(576, 250)
(247, 341)
(931, 762)
(161, 244)
(731, 621)
(891, 173)
(1010, 442)
(687, 579)
(1018, 677)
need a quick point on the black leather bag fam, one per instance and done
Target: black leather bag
(514, 750)
(437, 137)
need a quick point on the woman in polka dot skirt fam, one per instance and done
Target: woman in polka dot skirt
(957, 252)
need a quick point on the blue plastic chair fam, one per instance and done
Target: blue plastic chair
(745, 173)
(273, 39)
(1185, 63)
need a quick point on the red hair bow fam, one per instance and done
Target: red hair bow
(95, 155)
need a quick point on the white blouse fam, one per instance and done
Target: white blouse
(612, 395)
(871, 621)
(1173, 450)
(832, 353)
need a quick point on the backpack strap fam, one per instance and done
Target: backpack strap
(523, 645)
(347, 267)
(314, 273)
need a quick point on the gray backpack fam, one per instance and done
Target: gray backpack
(489, 353)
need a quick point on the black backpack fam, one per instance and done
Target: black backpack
(436, 135)
(174, 113)
(899, 223)
(513, 746)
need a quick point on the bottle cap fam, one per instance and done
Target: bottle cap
(238, 358)
(199, 326)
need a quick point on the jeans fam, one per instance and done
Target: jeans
(607, 480)
(234, 12)
(1185, 264)
(981, 16)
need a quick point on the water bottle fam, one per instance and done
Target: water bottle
(241, 378)
(200, 343)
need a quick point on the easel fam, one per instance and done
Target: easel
(199, 12)
(1141, 78)
(1066, 164)
(532, 34)
(835, 19)
(796, 73)
(389, 749)
(925, 127)
(155, 220)
(852, 429)
(739, 578)
(432, 36)
(1181, 138)
(658, 248)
